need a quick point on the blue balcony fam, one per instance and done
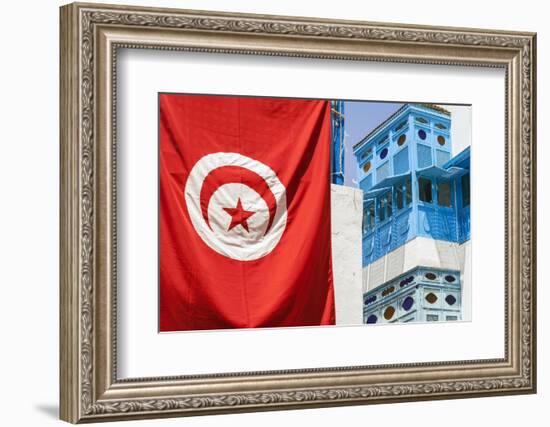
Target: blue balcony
(412, 187)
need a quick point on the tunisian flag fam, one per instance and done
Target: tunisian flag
(244, 213)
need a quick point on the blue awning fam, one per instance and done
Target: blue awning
(390, 181)
(437, 172)
(461, 160)
(385, 185)
(371, 194)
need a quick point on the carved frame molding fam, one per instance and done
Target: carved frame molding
(90, 37)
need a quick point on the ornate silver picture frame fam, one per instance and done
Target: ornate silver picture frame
(92, 37)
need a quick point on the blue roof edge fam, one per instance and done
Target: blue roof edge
(461, 157)
(394, 117)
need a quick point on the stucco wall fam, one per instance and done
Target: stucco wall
(347, 217)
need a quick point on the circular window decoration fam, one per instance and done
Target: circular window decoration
(367, 166)
(388, 291)
(430, 276)
(408, 303)
(372, 319)
(450, 278)
(422, 134)
(441, 140)
(450, 299)
(431, 298)
(401, 140)
(389, 312)
(370, 299)
(406, 281)
(384, 153)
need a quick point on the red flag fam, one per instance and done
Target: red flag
(244, 213)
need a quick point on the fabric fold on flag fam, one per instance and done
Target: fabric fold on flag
(244, 218)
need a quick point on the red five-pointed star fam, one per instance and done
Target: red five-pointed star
(238, 216)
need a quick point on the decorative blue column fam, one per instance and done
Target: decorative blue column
(338, 149)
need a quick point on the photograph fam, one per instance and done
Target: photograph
(279, 212)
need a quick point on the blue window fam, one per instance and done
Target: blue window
(401, 162)
(384, 153)
(399, 197)
(368, 218)
(366, 154)
(403, 196)
(383, 172)
(444, 194)
(366, 183)
(465, 190)
(425, 190)
(400, 125)
(424, 155)
(385, 206)
(441, 157)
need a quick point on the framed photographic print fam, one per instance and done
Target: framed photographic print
(265, 212)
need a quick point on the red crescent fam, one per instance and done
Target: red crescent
(239, 175)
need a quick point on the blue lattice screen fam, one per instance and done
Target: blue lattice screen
(366, 183)
(424, 156)
(441, 157)
(401, 162)
(383, 172)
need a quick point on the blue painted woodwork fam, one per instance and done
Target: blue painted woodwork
(419, 295)
(412, 187)
(337, 128)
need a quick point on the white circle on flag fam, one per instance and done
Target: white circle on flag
(242, 240)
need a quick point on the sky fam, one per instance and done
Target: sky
(362, 117)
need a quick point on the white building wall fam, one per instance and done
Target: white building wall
(466, 280)
(347, 217)
(424, 252)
